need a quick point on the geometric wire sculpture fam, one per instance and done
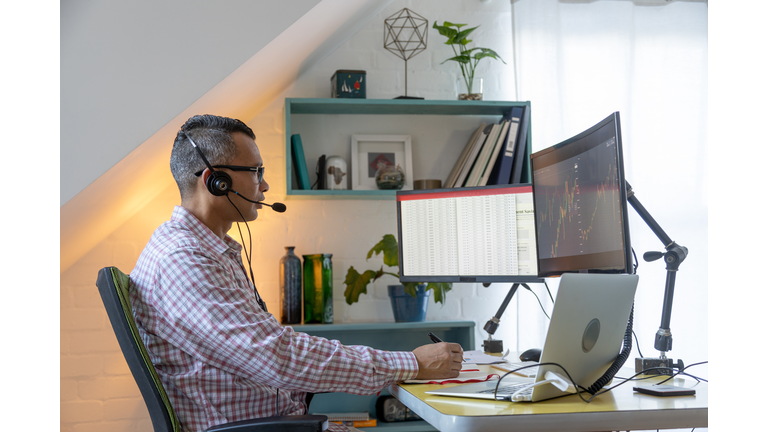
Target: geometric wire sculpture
(405, 35)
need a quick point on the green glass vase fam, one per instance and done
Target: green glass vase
(318, 289)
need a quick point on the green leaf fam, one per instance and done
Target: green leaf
(444, 30)
(440, 289)
(410, 288)
(387, 245)
(357, 283)
(460, 58)
(461, 37)
(485, 52)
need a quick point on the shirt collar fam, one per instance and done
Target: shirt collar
(207, 238)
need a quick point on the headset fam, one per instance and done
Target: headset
(218, 183)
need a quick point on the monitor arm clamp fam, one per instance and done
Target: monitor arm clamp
(673, 257)
(492, 345)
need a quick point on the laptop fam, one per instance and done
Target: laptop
(585, 335)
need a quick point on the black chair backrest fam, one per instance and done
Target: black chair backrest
(113, 287)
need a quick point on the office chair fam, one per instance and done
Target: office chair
(113, 287)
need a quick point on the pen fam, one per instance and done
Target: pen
(434, 338)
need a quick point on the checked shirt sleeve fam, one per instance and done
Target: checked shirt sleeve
(210, 313)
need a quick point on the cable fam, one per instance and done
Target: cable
(637, 341)
(537, 298)
(620, 359)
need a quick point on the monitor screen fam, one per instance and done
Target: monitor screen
(580, 201)
(474, 234)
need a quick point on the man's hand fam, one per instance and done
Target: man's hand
(439, 361)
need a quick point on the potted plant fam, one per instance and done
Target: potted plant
(467, 58)
(357, 283)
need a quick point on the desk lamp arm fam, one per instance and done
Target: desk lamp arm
(674, 256)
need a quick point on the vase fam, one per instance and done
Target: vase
(290, 287)
(318, 289)
(474, 92)
(389, 177)
(407, 308)
(335, 173)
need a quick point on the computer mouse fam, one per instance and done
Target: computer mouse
(533, 354)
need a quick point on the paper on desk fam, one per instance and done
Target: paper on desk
(480, 357)
(464, 377)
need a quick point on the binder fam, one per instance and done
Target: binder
(502, 169)
(522, 156)
(482, 159)
(495, 152)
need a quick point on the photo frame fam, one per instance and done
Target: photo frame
(368, 150)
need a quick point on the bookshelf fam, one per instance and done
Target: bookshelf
(439, 130)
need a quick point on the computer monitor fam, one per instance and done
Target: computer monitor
(580, 201)
(474, 234)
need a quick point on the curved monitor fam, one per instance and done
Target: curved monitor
(580, 203)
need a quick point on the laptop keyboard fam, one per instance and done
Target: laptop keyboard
(508, 389)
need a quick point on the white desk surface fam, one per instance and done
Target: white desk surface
(619, 409)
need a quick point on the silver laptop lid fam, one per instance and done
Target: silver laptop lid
(588, 324)
(584, 336)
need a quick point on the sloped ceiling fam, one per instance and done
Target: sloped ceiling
(106, 203)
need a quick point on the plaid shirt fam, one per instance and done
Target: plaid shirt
(221, 358)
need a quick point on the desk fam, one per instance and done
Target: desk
(619, 409)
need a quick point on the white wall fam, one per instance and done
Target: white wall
(128, 67)
(97, 392)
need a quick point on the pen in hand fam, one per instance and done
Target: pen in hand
(434, 338)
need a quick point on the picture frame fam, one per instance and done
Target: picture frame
(367, 150)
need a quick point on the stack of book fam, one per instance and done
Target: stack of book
(495, 153)
(355, 419)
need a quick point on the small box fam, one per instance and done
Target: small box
(348, 84)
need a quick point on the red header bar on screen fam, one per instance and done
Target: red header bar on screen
(463, 192)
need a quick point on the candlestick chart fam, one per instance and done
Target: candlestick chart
(578, 207)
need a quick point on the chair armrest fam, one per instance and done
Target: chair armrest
(290, 423)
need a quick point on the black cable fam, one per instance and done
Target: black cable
(638, 344)
(620, 359)
(537, 299)
(548, 291)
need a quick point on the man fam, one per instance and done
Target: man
(220, 355)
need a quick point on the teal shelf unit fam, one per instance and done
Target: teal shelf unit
(394, 115)
(385, 336)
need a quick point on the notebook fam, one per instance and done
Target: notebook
(585, 335)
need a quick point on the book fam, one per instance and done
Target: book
(462, 158)
(495, 153)
(482, 158)
(299, 163)
(356, 423)
(522, 156)
(479, 140)
(356, 419)
(502, 169)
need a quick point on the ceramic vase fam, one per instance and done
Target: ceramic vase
(290, 287)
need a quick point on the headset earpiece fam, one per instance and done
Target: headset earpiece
(218, 183)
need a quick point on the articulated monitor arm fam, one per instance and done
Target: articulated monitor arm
(674, 256)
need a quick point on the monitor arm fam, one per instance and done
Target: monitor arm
(492, 345)
(674, 256)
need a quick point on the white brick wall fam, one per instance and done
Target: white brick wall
(97, 390)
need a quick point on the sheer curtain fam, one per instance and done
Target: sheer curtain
(579, 61)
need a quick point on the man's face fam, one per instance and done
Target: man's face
(246, 183)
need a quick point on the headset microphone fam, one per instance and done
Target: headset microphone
(278, 207)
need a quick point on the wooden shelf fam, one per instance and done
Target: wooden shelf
(440, 129)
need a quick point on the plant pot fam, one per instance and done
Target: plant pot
(474, 93)
(407, 308)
